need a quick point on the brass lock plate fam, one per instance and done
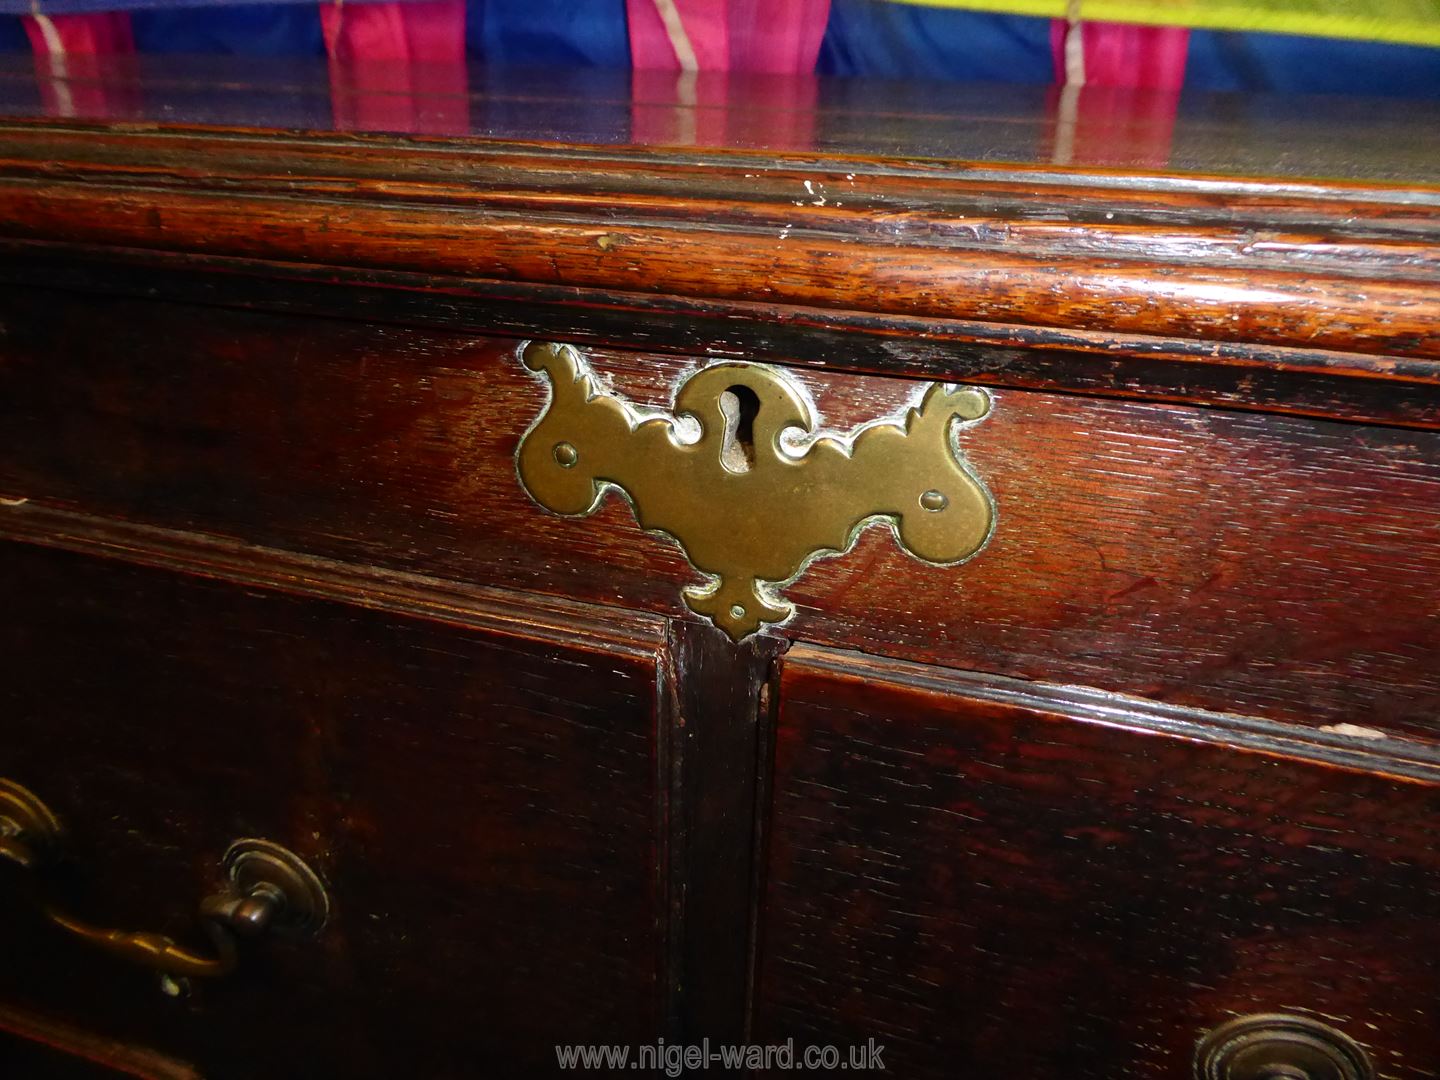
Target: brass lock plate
(753, 517)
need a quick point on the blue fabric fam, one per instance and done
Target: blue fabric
(1291, 64)
(79, 7)
(576, 33)
(248, 30)
(879, 39)
(13, 38)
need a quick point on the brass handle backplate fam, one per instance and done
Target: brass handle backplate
(1279, 1046)
(268, 888)
(758, 494)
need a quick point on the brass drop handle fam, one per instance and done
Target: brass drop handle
(267, 888)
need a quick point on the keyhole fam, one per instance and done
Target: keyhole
(739, 404)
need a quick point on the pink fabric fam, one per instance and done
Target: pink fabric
(1112, 125)
(398, 67)
(431, 31)
(776, 37)
(712, 108)
(1104, 122)
(85, 64)
(82, 35)
(785, 42)
(671, 108)
(706, 26)
(1117, 54)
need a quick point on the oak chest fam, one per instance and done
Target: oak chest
(954, 578)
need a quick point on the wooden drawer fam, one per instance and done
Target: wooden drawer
(475, 778)
(1224, 560)
(996, 878)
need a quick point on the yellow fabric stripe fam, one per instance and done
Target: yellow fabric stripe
(1405, 22)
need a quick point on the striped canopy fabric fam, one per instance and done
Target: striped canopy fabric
(1350, 46)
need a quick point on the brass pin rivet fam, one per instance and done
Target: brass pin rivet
(566, 455)
(737, 612)
(933, 500)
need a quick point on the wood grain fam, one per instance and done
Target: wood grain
(718, 765)
(708, 752)
(1158, 282)
(484, 804)
(901, 206)
(1224, 560)
(1241, 375)
(1002, 878)
(32, 1045)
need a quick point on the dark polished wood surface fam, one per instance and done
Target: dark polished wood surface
(1251, 135)
(1162, 753)
(717, 762)
(1232, 561)
(484, 804)
(1255, 378)
(34, 1045)
(938, 232)
(1000, 878)
(945, 245)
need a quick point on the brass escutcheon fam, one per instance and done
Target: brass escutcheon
(750, 512)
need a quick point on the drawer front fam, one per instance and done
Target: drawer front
(1223, 560)
(994, 879)
(34, 1045)
(474, 780)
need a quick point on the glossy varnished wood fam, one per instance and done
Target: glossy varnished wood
(1295, 137)
(477, 781)
(1010, 879)
(1227, 560)
(1109, 129)
(926, 228)
(717, 769)
(32, 1045)
(1208, 275)
(1241, 375)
